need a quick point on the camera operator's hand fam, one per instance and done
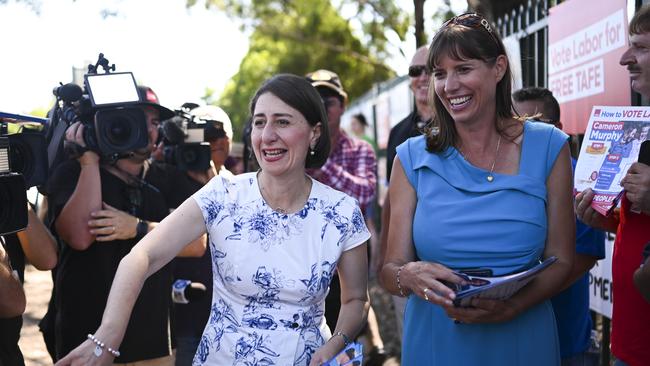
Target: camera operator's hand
(75, 135)
(112, 224)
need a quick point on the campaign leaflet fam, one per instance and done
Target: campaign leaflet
(496, 288)
(351, 355)
(611, 144)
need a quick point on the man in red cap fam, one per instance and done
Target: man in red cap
(101, 209)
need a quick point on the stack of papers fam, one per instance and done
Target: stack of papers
(496, 288)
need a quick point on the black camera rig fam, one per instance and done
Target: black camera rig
(186, 137)
(114, 126)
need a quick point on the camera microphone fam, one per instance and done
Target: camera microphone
(185, 291)
(173, 132)
(70, 92)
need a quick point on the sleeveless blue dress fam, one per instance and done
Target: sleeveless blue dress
(463, 221)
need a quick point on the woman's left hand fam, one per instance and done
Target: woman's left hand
(325, 353)
(483, 311)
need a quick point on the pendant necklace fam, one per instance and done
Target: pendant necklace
(490, 176)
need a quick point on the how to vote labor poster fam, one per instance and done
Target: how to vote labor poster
(585, 43)
(611, 144)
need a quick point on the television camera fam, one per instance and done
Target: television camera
(115, 127)
(23, 165)
(186, 136)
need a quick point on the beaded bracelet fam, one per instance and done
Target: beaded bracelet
(99, 347)
(346, 340)
(399, 284)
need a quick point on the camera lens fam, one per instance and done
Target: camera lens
(189, 156)
(28, 156)
(118, 131)
(19, 157)
(121, 130)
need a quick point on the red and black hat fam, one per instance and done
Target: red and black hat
(149, 98)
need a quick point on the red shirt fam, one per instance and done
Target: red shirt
(631, 313)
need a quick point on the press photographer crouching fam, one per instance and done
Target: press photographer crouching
(23, 237)
(197, 140)
(103, 204)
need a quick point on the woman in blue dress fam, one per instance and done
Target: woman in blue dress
(480, 190)
(276, 238)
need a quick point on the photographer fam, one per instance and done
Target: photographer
(101, 210)
(34, 245)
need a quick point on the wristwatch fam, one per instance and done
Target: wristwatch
(141, 229)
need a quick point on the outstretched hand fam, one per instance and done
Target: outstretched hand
(86, 355)
(112, 224)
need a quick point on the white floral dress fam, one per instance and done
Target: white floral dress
(271, 271)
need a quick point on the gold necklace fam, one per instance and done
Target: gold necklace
(490, 176)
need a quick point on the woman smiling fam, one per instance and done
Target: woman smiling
(484, 191)
(276, 238)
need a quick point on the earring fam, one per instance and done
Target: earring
(311, 151)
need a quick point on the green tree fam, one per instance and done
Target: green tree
(296, 37)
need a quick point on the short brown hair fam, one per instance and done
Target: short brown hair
(640, 22)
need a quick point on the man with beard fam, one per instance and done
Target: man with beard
(101, 210)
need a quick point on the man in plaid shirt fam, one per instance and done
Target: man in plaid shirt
(352, 163)
(350, 168)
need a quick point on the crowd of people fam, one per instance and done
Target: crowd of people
(480, 183)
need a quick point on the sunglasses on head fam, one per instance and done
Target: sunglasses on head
(471, 20)
(417, 70)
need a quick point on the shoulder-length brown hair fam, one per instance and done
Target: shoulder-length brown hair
(461, 42)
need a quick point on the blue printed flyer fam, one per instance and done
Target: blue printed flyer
(611, 144)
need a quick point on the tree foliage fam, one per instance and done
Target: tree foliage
(296, 37)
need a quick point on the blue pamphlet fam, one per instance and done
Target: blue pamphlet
(352, 355)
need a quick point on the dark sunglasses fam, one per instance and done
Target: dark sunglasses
(416, 70)
(471, 20)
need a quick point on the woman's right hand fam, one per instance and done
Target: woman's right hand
(425, 279)
(85, 355)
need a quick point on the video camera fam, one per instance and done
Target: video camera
(114, 126)
(187, 135)
(23, 164)
(13, 197)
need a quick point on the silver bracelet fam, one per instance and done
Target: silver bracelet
(399, 284)
(346, 340)
(99, 347)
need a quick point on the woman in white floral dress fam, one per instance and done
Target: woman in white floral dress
(276, 237)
